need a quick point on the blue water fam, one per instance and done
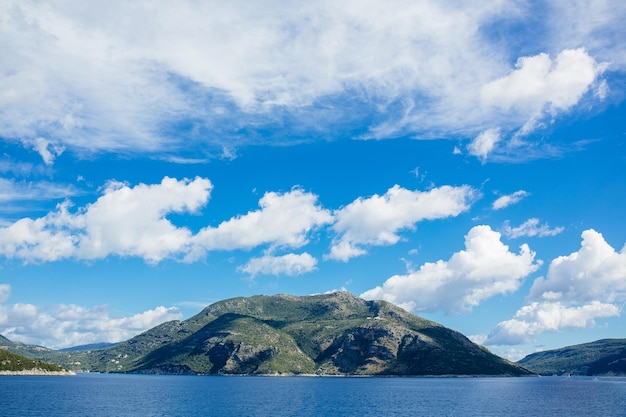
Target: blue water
(98, 395)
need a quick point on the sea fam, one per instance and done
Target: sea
(97, 395)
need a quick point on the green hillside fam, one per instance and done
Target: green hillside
(332, 334)
(15, 363)
(602, 357)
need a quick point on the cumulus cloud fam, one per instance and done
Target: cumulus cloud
(291, 264)
(485, 268)
(540, 83)
(132, 221)
(530, 228)
(124, 221)
(595, 272)
(510, 199)
(580, 287)
(283, 220)
(540, 317)
(376, 221)
(65, 325)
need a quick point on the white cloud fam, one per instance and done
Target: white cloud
(539, 317)
(539, 88)
(507, 200)
(530, 228)
(115, 76)
(485, 268)
(47, 150)
(124, 221)
(291, 264)
(479, 339)
(595, 272)
(484, 143)
(127, 221)
(376, 221)
(284, 220)
(539, 83)
(74, 70)
(580, 287)
(60, 326)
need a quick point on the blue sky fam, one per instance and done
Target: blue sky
(465, 162)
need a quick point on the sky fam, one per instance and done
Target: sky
(464, 161)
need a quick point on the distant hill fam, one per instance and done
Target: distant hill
(332, 334)
(31, 351)
(602, 357)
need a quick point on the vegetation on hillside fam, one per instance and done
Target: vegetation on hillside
(16, 363)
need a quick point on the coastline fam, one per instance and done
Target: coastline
(37, 372)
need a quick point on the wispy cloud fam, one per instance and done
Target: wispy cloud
(484, 143)
(510, 199)
(12, 191)
(144, 77)
(530, 228)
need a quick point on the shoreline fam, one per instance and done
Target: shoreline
(37, 372)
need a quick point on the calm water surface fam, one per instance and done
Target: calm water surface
(98, 395)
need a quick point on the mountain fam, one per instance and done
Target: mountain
(602, 357)
(331, 334)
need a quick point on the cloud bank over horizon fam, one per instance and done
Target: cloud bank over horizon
(66, 325)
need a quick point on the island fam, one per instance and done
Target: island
(327, 334)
